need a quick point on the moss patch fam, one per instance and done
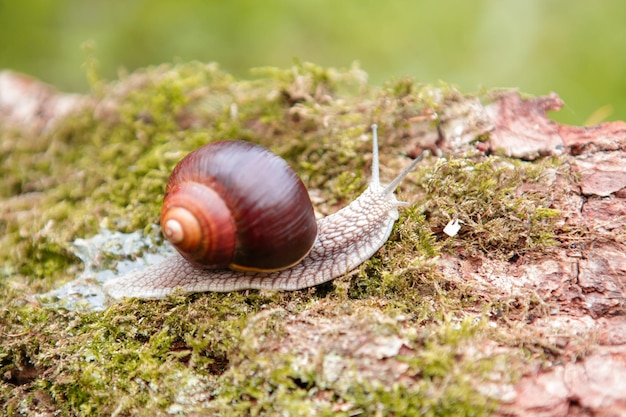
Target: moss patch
(334, 378)
(503, 205)
(106, 167)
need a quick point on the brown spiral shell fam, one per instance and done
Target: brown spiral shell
(236, 204)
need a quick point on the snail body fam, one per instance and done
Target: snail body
(341, 242)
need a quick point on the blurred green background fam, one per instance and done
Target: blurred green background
(575, 48)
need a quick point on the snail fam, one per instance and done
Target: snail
(240, 242)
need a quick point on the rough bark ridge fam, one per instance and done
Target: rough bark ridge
(582, 282)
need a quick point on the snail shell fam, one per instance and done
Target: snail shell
(344, 239)
(235, 204)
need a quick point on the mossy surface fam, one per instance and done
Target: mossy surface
(105, 168)
(501, 203)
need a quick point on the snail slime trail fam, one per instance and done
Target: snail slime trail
(221, 219)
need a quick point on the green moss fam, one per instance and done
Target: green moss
(141, 352)
(503, 205)
(106, 167)
(46, 258)
(270, 383)
(504, 209)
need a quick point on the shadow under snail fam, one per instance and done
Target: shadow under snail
(240, 218)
